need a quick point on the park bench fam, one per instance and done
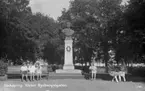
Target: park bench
(14, 72)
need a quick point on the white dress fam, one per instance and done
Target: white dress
(24, 70)
(93, 69)
(39, 70)
(32, 69)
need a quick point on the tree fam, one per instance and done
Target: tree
(90, 19)
(13, 14)
(134, 16)
(25, 35)
(44, 32)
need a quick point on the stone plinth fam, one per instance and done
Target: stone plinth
(70, 67)
(68, 61)
(69, 71)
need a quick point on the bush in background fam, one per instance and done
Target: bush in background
(3, 67)
(137, 71)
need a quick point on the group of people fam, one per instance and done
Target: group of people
(118, 71)
(115, 74)
(32, 70)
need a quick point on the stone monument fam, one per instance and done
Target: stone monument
(68, 60)
(68, 66)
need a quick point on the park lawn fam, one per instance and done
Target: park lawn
(71, 84)
(74, 85)
(137, 76)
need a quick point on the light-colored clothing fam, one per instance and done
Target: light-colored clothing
(24, 68)
(93, 69)
(39, 70)
(32, 69)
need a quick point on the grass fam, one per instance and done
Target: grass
(72, 85)
(137, 74)
(103, 83)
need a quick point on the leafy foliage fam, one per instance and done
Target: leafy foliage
(98, 25)
(3, 68)
(92, 22)
(26, 35)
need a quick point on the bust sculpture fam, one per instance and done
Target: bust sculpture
(67, 31)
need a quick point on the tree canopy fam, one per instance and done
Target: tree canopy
(26, 35)
(99, 25)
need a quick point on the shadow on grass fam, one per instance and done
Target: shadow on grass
(14, 76)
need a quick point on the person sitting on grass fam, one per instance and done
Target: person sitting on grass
(32, 70)
(93, 69)
(24, 72)
(39, 71)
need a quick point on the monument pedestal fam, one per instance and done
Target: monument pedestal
(68, 61)
(68, 58)
(70, 67)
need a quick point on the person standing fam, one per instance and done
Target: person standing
(39, 71)
(93, 69)
(24, 72)
(32, 70)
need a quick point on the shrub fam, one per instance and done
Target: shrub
(101, 70)
(3, 68)
(138, 71)
(60, 66)
(79, 67)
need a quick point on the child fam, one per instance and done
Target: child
(93, 69)
(32, 70)
(39, 71)
(24, 72)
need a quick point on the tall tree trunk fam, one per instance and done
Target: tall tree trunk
(106, 61)
(106, 47)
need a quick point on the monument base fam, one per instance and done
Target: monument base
(66, 74)
(70, 67)
(69, 71)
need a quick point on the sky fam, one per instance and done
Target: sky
(51, 8)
